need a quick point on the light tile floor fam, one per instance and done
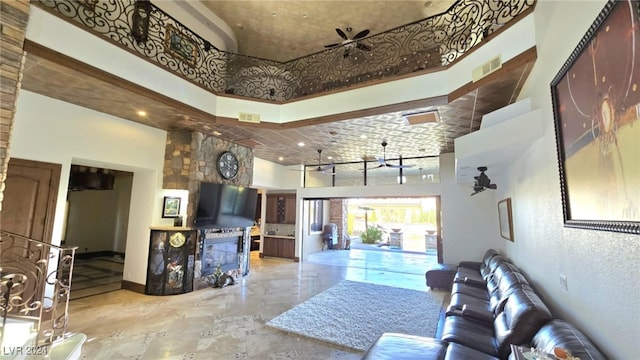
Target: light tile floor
(229, 323)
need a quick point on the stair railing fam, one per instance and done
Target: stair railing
(35, 286)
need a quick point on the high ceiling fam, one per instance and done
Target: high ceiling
(286, 30)
(345, 137)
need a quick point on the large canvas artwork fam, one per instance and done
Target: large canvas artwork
(596, 99)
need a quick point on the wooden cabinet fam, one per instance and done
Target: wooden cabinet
(290, 209)
(281, 209)
(271, 217)
(279, 247)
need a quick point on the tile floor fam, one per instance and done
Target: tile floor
(229, 323)
(96, 276)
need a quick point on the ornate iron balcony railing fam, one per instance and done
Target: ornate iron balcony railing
(150, 33)
(35, 284)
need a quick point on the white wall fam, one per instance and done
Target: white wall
(601, 267)
(49, 130)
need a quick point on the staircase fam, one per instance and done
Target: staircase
(35, 284)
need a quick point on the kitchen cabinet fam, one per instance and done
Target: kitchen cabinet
(281, 247)
(281, 209)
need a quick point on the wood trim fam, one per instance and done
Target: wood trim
(261, 255)
(99, 74)
(296, 258)
(527, 56)
(131, 286)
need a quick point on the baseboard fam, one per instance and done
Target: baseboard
(261, 255)
(95, 254)
(296, 259)
(131, 286)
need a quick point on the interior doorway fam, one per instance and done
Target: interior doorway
(96, 222)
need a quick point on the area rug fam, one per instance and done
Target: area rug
(354, 314)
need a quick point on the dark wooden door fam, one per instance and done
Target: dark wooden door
(30, 194)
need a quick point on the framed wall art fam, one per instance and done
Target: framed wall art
(506, 219)
(171, 207)
(596, 104)
(179, 45)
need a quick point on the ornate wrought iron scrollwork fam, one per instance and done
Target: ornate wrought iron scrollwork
(36, 285)
(433, 42)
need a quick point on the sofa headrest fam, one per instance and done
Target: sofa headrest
(488, 255)
(524, 314)
(562, 334)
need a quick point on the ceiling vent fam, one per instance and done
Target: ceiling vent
(486, 68)
(425, 117)
(251, 118)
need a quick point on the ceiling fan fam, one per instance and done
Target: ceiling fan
(482, 182)
(351, 43)
(319, 168)
(382, 162)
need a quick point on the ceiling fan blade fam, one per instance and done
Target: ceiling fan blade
(361, 34)
(342, 34)
(400, 166)
(331, 45)
(363, 47)
(346, 53)
(492, 186)
(328, 167)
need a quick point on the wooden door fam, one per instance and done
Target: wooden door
(30, 195)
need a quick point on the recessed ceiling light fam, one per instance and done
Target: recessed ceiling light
(301, 144)
(217, 133)
(363, 136)
(329, 157)
(280, 158)
(305, 16)
(142, 113)
(274, 14)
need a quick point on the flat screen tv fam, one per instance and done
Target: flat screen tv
(225, 206)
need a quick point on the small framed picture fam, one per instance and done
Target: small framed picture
(171, 207)
(506, 220)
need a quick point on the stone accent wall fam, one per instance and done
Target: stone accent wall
(338, 216)
(15, 16)
(190, 158)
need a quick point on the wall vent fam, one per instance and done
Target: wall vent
(486, 68)
(246, 117)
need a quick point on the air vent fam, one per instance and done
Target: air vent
(486, 68)
(424, 117)
(246, 117)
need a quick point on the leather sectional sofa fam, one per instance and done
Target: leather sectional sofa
(492, 307)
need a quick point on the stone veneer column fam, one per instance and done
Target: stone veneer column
(15, 16)
(190, 157)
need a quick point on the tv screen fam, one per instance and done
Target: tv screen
(225, 206)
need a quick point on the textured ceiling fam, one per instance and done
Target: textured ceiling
(345, 137)
(286, 30)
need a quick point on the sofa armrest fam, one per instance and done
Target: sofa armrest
(475, 313)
